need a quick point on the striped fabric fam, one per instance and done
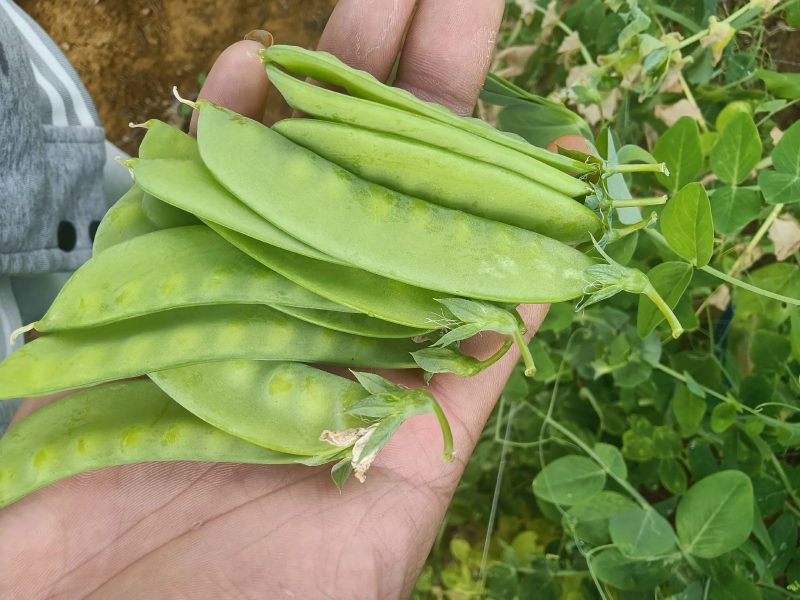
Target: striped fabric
(63, 98)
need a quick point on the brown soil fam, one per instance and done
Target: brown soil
(130, 53)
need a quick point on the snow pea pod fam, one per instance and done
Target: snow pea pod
(352, 323)
(173, 268)
(282, 406)
(446, 178)
(360, 290)
(165, 141)
(117, 424)
(327, 68)
(187, 184)
(333, 106)
(166, 216)
(184, 336)
(123, 221)
(379, 230)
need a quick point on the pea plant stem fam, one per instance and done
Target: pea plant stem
(735, 269)
(750, 288)
(690, 97)
(569, 31)
(641, 168)
(655, 297)
(447, 433)
(732, 17)
(496, 499)
(784, 479)
(530, 368)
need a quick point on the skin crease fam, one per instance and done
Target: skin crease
(199, 530)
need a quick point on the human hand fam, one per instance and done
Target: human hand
(198, 530)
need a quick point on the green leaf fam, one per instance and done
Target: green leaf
(612, 460)
(341, 471)
(545, 369)
(760, 531)
(686, 224)
(672, 476)
(786, 155)
(589, 520)
(638, 447)
(793, 15)
(782, 85)
(447, 360)
(722, 417)
(460, 549)
(614, 568)
(783, 533)
(769, 350)
(558, 318)
(569, 480)
(622, 250)
(681, 150)
(689, 408)
(640, 533)
(729, 586)
(716, 514)
(540, 125)
(668, 443)
(693, 385)
(780, 278)
(501, 581)
(779, 188)
(670, 280)
(794, 336)
(737, 151)
(701, 461)
(539, 586)
(733, 207)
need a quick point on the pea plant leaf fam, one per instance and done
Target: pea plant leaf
(569, 480)
(681, 150)
(612, 459)
(689, 408)
(781, 85)
(589, 520)
(782, 186)
(780, 278)
(640, 533)
(672, 476)
(687, 225)
(737, 150)
(722, 417)
(716, 514)
(769, 350)
(670, 280)
(783, 534)
(729, 586)
(630, 574)
(733, 207)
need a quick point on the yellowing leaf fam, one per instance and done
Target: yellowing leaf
(718, 36)
(721, 298)
(671, 113)
(515, 59)
(785, 236)
(569, 47)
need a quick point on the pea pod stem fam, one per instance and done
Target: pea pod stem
(447, 433)
(638, 168)
(617, 234)
(636, 202)
(18, 332)
(655, 297)
(530, 368)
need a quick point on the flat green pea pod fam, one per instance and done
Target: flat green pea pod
(356, 324)
(117, 424)
(165, 141)
(283, 406)
(185, 336)
(188, 185)
(333, 106)
(123, 221)
(173, 268)
(359, 290)
(446, 178)
(327, 68)
(166, 216)
(382, 231)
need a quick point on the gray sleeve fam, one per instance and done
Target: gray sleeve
(52, 155)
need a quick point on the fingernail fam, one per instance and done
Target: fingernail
(262, 37)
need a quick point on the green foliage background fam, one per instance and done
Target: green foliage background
(636, 466)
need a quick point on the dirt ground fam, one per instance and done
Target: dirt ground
(130, 53)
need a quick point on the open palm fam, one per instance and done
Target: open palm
(200, 530)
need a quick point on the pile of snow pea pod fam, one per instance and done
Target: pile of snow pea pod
(379, 232)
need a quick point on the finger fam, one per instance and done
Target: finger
(367, 34)
(237, 81)
(569, 142)
(448, 51)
